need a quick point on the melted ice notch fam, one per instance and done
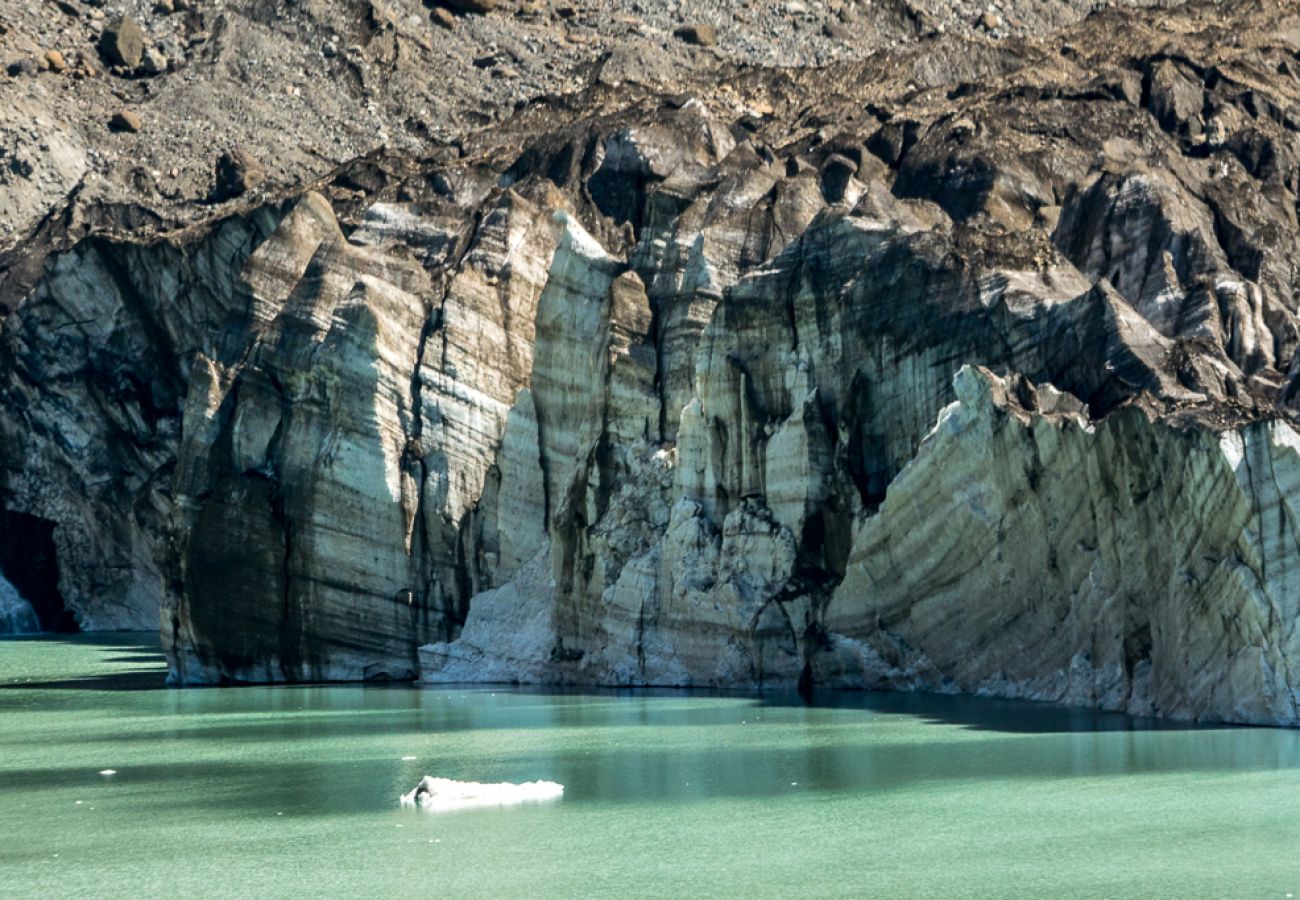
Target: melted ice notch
(449, 795)
(16, 614)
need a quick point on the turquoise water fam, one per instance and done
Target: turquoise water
(292, 791)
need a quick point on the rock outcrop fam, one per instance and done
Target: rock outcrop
(969, 366)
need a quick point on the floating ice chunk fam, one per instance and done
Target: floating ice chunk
(449, 795)
(108, 772)
(407, 758)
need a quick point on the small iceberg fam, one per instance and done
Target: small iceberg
(449, 795)
(16, 614)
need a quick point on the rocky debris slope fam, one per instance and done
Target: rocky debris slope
(304, 86)
(967, 365)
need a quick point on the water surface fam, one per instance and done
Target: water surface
(292, 791)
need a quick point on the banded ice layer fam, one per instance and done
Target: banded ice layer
(448, 795)
(16, 614)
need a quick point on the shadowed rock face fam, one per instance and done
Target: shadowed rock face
(967, 367)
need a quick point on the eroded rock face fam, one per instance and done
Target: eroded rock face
(969, 367)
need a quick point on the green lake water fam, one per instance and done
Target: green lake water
(293, 791)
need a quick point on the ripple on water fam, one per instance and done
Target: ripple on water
(292, 791)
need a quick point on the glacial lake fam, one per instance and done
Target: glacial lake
(293, 791)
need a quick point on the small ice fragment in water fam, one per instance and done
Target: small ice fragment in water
(448, 795)
(407, 758)
(78, 802)
(108, 772)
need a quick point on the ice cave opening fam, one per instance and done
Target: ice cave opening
(29, 570)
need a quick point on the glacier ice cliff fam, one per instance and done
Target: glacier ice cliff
(967, 367)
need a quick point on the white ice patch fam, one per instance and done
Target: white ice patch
(1285, 436)
(16, 614)
(1233, 447)
(448, 795)
(581, 243)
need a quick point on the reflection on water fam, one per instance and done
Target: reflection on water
(665, 792)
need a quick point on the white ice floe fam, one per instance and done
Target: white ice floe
(449, 795)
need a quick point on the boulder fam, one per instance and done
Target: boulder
(237, 172)
(699, 35)
(155, 63)
(125, 120)
(122, 43)
(469, 6)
